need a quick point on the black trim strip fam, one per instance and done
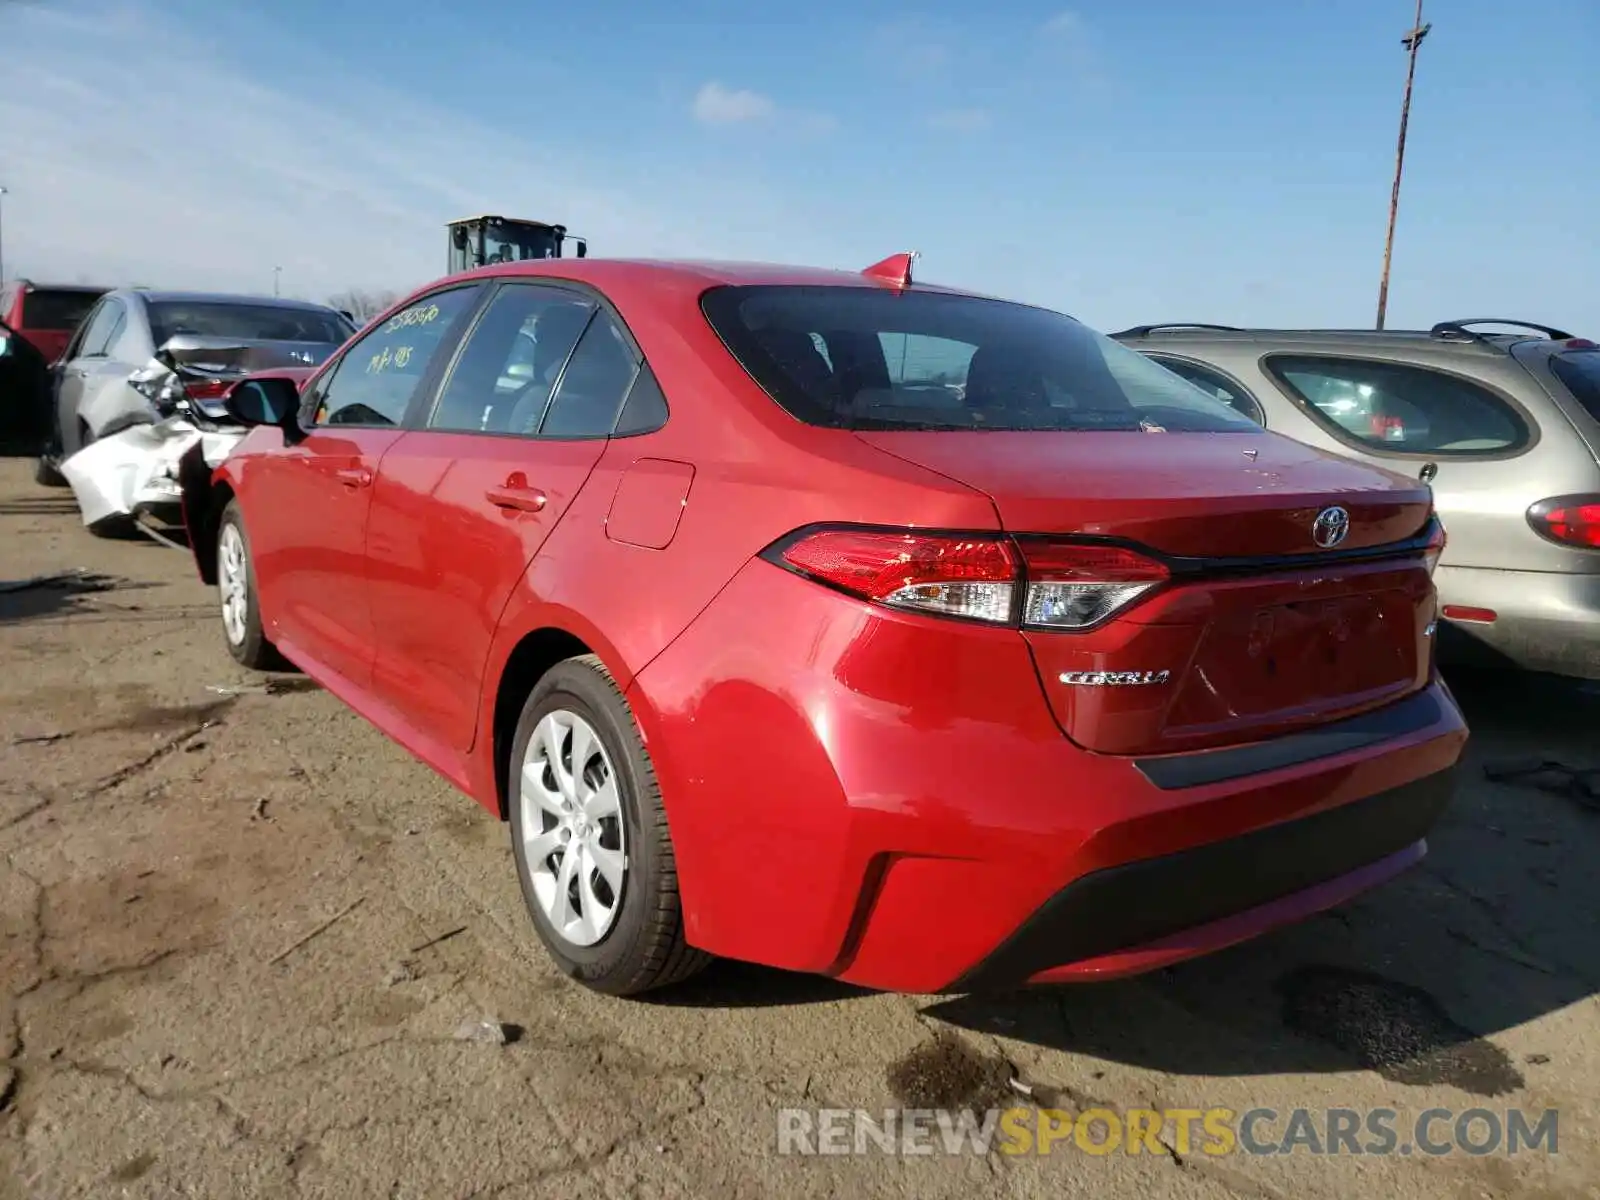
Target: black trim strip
(1172, 771)
(1122, 907)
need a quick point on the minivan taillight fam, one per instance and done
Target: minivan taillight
(1037, 583)
(1568, 520)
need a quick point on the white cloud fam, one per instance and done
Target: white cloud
(960, 120)
(715, 104)
(123, 170)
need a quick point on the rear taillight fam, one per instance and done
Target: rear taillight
(1073, 586)
(1568, 520)
(1038, 583)
(952, 575)
(207, 389)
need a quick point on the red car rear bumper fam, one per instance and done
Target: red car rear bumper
(887, 798)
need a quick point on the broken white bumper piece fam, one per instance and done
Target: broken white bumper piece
(136, 469)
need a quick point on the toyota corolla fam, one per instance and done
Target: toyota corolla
(844, 623)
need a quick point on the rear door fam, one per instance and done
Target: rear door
(464, 503)
(306, 508)
(87, 369)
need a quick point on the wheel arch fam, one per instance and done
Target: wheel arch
(534, 654)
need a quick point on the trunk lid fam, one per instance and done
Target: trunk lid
(1259, 631)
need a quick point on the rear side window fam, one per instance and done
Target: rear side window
(1401, 409)
(1214, 383)
(593, 385)
(1580, 372)
(59, 310)
(870, 358)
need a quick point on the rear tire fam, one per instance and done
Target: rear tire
(612, 920)
(46, 473)
(236, 589)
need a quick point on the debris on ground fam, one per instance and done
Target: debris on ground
(320, 929)
(77, 580)
(1579, 784)
(259, 812)
(490, 1033)
(443, 937)
(43, 739)
(403, 971)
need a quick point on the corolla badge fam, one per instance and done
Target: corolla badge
(1114, 678)
(1330, 527)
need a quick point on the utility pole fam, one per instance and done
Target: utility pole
(1412, 42)
(2, 239)
(277, 272)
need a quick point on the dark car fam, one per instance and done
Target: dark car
(39, 319)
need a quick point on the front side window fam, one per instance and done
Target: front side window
(374, 381)
(107, 318)
(511, 360)
(868, 358)
(1400, 409)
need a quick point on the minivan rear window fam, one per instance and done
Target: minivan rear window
(868, 358)
(59, 310)
(1579, 370)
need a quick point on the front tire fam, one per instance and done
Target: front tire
(589, 835)
(236, 589)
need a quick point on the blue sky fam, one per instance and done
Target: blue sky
(1225, 161)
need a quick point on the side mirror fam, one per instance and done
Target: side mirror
(583, 249)
(254, 402)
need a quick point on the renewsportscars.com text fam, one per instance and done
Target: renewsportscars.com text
(1209, 1131)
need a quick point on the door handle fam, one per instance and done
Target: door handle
(522, 499)
(354, 477)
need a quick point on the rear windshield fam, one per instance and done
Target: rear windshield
(57, 310)
(252, 322)
(868, 358)
(1580, 371)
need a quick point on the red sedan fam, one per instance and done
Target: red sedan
(843, 623)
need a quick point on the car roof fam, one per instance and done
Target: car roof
(224, 298)
(607, 273)
(38, 285)
(1447, 336)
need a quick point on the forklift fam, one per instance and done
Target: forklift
(481, 241)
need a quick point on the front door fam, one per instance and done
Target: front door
(463, 505)
(309, 546)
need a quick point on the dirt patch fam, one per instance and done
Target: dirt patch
(1397, 1030)
(947, 1072)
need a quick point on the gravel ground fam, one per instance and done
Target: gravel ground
(242, 937)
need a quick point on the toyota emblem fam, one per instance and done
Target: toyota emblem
(1330, 527)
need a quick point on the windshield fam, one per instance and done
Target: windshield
(506, 242)
(60, 310)
(867, 358)
(250, 322)
(1580, 371)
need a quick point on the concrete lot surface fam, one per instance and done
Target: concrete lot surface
(241, 935)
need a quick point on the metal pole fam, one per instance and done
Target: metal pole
(2, 241)
(1412, 41)
(276, 273)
